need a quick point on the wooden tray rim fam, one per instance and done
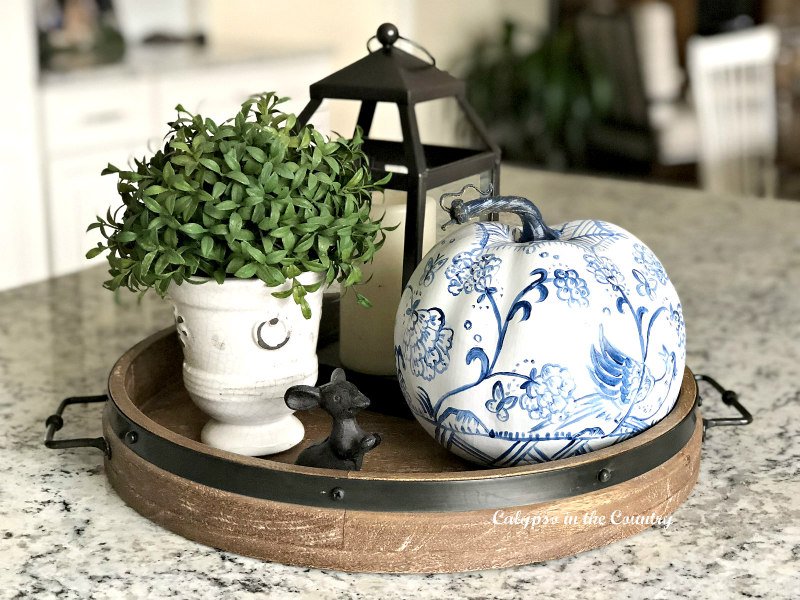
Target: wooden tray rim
(118, 394)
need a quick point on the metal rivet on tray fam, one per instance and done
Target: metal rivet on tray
(604, 475)
(337, 493)
(131, 437)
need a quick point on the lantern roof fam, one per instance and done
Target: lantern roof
(388, 74)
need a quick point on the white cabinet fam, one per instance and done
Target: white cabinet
(23, 256)
(76, 195)
(87, 126)
(218, 92)
(101, 115)
(91, 121)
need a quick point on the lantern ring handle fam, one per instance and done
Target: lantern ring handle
(470, 186)
(405, 39)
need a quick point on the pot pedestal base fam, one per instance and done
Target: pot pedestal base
(254, 440)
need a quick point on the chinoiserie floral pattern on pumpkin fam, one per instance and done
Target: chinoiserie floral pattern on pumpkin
(427, 342)
(676, 317)
(571, 288)
(652, 266)
(432, 265)
(501, 402)
(471, 271)
(604, 270)
(548, 392)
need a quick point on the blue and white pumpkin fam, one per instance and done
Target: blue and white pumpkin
(562, 341)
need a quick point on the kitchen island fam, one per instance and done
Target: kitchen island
(736, 265)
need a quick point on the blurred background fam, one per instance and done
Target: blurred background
(699, 93)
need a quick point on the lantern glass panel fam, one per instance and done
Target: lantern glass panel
(441, 122)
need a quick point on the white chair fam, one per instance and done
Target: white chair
(733, 83)
(672, 119)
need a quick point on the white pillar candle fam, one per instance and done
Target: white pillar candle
(366, 334)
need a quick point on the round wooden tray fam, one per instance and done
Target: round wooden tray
(413, 508)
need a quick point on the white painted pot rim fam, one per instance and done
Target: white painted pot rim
(306, 278)
(247, 292)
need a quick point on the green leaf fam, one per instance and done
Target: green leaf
(210, 164)
(311, 288)
(125, 236)
(152, 204)
(146, 262)
(257, 153)
(302, 247)
(275, 256)
(272, 183)
(235, 223)
(333, 164)
(219, 189)
(271, 276)
(280, 232)
(237, 192)
(230, 160)
(236, 263)
(226, 205)
(198, 141)
(183, 160)
(357, 177)
(244, 234)
(363, 300)
(193, 228)
(238, 176)
(173, 256)
(255, 253)
(354, 276)
(313, 266)
(291, 271)
(247, 271)
(181, 184)
(305, 308)
(206, 246)
(94, 252)
(284, 171)
(154, 190)
(161, 264)
(168, 173)
(178, 145)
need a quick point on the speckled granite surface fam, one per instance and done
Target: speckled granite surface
(736, 264)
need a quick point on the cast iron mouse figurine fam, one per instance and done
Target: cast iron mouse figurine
(345, 447)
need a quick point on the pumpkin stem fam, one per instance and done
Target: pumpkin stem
(533, 226)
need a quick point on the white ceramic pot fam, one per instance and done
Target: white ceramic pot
(243, 348)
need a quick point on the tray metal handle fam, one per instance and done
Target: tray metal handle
(730, 398)
(56, 421)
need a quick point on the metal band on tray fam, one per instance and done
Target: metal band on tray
(396, 495)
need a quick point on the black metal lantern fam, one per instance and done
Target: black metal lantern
(391, 75)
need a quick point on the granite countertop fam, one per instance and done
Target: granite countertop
(736, 264)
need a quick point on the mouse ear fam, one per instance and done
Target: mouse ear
(301, 397)
(338, 375)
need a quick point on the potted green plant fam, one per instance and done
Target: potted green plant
(241, 225)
